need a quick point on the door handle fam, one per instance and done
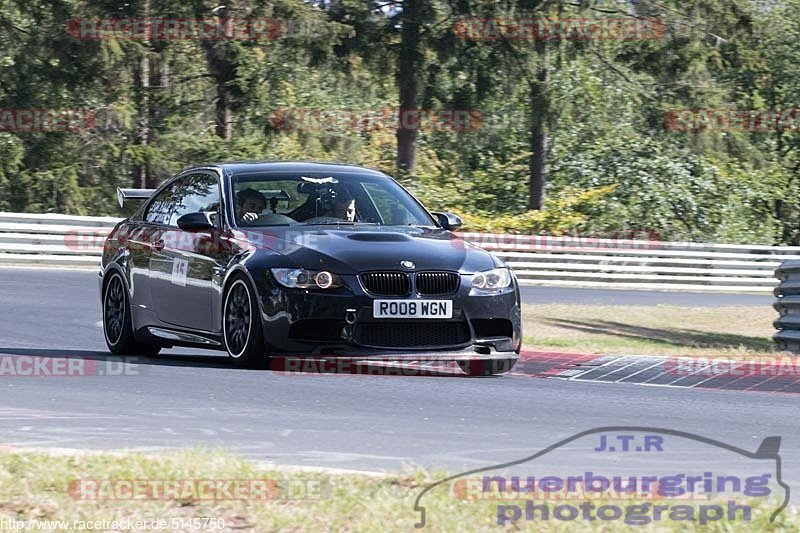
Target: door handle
(158, 245)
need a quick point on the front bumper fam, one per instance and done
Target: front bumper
(339, 323)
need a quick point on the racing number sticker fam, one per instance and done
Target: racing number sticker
(179, 269)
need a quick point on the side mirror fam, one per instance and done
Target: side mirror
(195, 222)
(449, 221)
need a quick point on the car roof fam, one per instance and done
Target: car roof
(254, 167)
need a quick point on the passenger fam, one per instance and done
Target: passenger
(250, 203)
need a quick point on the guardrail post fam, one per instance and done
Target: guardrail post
(787, 304)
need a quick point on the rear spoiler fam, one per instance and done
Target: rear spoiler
(133, 194)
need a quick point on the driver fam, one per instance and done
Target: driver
(327, 203)
(250, 203)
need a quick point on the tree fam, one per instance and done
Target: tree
(409, 65)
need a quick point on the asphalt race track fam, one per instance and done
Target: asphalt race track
(361, 422)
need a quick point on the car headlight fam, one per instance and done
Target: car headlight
(300, 278)
(492, 280)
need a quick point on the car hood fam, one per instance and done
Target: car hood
(352, 249)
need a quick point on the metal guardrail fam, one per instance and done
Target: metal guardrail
(638, 264)
(787, 304)
(52, 240)
(74, 241)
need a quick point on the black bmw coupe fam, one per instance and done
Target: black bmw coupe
(305, 260)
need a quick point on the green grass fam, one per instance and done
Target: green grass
(34, 485)
(659, 330)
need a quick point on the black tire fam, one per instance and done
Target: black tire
(117, 325)
(486, 367)
(241, 326)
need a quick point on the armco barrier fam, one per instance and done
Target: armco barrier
(639, 264)
(787, 305)
(44, 240)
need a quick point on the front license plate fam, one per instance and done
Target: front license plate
(412, 308)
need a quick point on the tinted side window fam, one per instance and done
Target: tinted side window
(159, 210)
(189, 194)
(193, 193)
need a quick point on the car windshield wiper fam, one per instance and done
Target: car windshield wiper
(267, 225)
(342, 223)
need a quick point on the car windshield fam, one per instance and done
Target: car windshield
(275, 199)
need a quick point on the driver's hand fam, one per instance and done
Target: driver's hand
(250, 217)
